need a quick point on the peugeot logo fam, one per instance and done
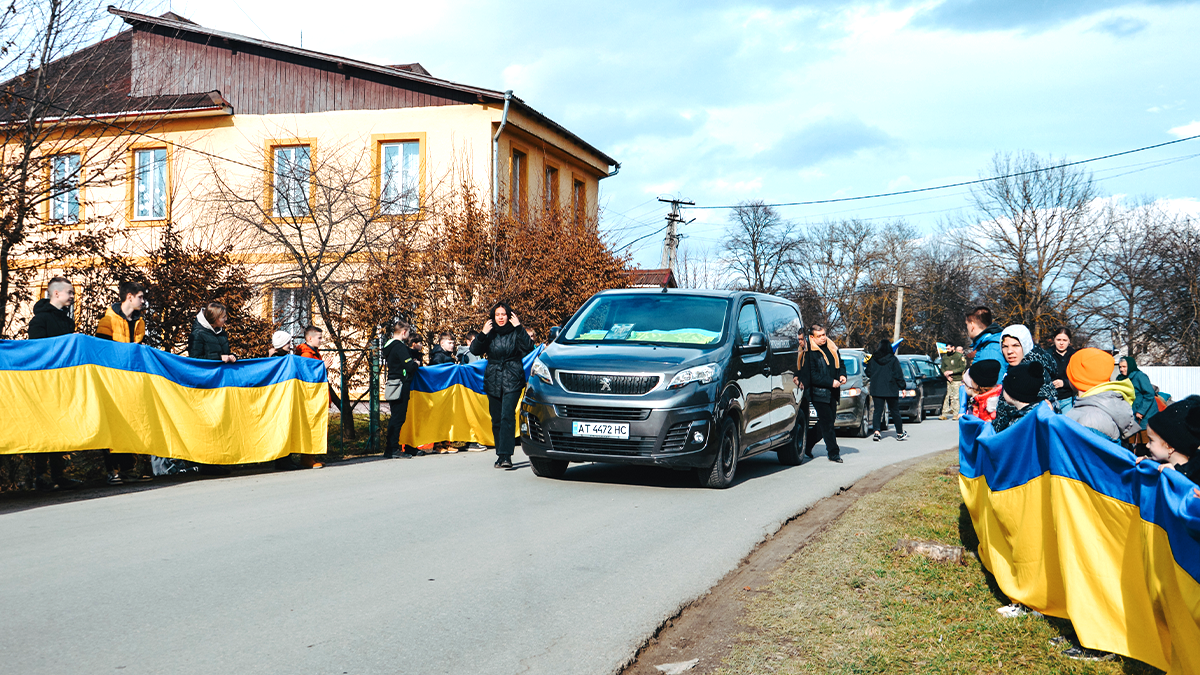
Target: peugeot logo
(606, 384)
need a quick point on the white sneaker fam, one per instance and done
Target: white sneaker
(1016, 609)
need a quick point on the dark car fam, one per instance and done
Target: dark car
(694, 380)
(924, 387)
(854, 407)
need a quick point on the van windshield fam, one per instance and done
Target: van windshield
(651, 319)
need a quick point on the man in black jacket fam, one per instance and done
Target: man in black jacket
(401, 369)
(822, 372)
(52, 318)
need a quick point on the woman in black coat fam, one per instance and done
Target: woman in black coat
(209, 339)
(887, 380)
(504, 343)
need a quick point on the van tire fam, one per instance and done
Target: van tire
(864, 425)
(791, 453)
(548, 468)
(720, 475)
(917, 418)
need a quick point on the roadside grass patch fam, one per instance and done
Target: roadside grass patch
(847, 603)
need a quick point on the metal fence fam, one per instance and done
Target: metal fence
(1178, 381)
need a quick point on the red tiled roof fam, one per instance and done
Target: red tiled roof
(652, 278)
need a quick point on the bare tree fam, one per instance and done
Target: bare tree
(699, 269)
(51, 84)
(759, 247)
(1040, 228)
(1174, 312)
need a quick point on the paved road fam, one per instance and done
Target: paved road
(433, 565)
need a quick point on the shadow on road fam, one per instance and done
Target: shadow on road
(658, 477)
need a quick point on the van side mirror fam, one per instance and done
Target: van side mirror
(554, 333)
(757, 344)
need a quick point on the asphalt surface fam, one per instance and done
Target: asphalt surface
(439, 564)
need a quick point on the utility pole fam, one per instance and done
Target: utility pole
(671, 240)
(899, 306)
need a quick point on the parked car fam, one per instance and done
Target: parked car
(695, 380)
(854, 408)
(924, 389)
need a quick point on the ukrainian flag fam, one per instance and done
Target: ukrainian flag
(77, 392)
(1071, 527)
(448, 404)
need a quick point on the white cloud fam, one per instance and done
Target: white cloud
(1190, 129)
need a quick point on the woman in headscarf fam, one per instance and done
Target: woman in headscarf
(1016, 344)
(504, 343)
(1144, 403)
(887, 380)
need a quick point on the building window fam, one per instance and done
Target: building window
(150, 184)
(293, 169)
(400, 166)
(291, 310)
(578, 200)
(64, 186)
(550, 188)
(517, 181)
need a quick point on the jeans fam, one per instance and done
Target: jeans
(396, 422)
(504, 421)
(823, 430)
(893, 405)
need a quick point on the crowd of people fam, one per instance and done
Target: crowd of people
(503, 342)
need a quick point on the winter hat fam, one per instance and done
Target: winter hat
(1089, 368)
(1023, 382)
(984, 373)
(1021, 334)
(1179, 425)
(281, 339)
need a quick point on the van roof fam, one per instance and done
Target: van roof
(701, 292)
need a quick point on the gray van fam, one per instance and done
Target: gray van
(686, 379)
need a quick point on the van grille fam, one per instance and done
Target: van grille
(536, 432)
(676, 437)
(600, 383)
(591, 412)
(636, 445)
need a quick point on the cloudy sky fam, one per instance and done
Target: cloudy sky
(721, 102)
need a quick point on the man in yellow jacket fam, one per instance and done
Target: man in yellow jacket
(122, 322)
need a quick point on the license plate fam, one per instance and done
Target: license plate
(600, 430)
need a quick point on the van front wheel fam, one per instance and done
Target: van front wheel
(548, 468)
(720, 474)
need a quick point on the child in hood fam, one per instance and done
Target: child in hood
(981, 381)
(1022, 390)
(1175, 437)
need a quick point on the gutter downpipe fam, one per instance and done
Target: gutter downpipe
(616, 170)
(496, 152)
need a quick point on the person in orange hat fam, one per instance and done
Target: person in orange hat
(1103, 406)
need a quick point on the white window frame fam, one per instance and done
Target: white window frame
(291, 309)
(150, 184)
(400, 173)
(291, 182)
(64, 204)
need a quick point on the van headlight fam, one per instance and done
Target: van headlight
(701, 374)
(851, 392)
(542, 372)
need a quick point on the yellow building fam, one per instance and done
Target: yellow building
(183, 109)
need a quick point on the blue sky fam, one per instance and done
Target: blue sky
(721, 102)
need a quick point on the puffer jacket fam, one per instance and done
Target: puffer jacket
(987, 347)
(1106, 412)
(504, 371)
(207, 342)
(115, 326)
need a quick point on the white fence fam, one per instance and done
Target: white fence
(1178, 381)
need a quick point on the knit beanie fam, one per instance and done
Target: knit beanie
(1179, 425)
(1024, 381)
(1089, 368)
(984, 373)
(280, 339)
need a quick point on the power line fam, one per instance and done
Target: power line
(964, 183)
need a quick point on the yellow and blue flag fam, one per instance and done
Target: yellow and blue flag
(448, 404)
(77, 392)
(1072, 527)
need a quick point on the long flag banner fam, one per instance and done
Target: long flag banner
(77, 392)
(1072, 527)
(448, 404)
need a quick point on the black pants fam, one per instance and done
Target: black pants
(122, 461)
(396, 422)
(823, 430)
(504, 421)
(893, 405)
(55, 462)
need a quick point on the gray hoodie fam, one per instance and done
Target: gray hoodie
(1107, 413)
(465, 356)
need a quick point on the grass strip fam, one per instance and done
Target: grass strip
(847, 604)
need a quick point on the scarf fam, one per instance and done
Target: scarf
(1132, 367)
(508, 327)
(1124, 388)
(811, 346)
